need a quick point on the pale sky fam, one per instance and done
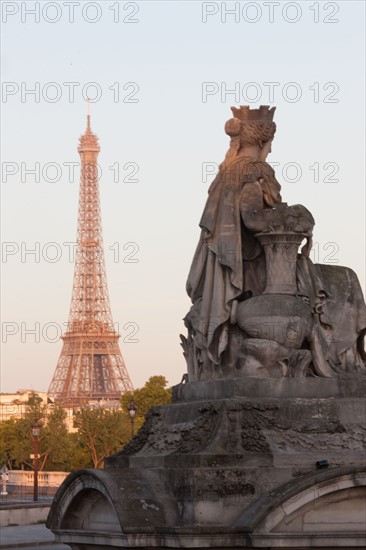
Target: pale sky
(165, 75)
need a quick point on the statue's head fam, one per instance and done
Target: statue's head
(252, 127)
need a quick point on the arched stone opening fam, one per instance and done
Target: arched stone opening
(339, 511)
(90, 509)
(329, 513)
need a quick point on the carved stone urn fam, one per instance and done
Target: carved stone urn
(277, 314)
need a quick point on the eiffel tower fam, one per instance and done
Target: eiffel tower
(91, 366)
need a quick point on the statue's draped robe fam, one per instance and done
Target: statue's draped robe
(216, 277)
(229, 261)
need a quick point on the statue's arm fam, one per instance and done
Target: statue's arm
(252, 206)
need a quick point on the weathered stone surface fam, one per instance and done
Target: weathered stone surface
(263, 446)
(247, 258)
(285, 388)
(209, 471)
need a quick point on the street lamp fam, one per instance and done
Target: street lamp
(36, 434)
(132, 408)
(4, 479)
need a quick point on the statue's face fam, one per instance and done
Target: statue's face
(266, 149)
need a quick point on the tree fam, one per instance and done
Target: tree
(79, 455)
(56, 443)
(101, 431)
(16, 435)
(15, 443)
(153, 393)
(35, 410)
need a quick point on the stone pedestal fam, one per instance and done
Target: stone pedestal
(264, 446)
(230, 463)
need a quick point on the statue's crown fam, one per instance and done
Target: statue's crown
(246, 114)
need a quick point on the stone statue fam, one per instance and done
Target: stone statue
(250, 453)
(260, 308)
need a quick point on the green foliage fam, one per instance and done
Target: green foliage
(15, 443)
(79, 455)
(153, 393)
(56, 446)
(101, 432)
(36, 409)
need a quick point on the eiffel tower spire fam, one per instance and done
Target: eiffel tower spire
(91, 365)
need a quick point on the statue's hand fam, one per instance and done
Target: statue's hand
(306, 249)
(296, 219)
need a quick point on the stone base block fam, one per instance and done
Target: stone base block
(278, 464)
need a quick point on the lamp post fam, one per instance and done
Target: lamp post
(36, 434)
(4, 479)
(132, 408)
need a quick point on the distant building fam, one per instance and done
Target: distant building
(13, 405)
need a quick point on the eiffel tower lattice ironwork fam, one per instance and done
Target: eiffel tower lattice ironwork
(91, 366)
